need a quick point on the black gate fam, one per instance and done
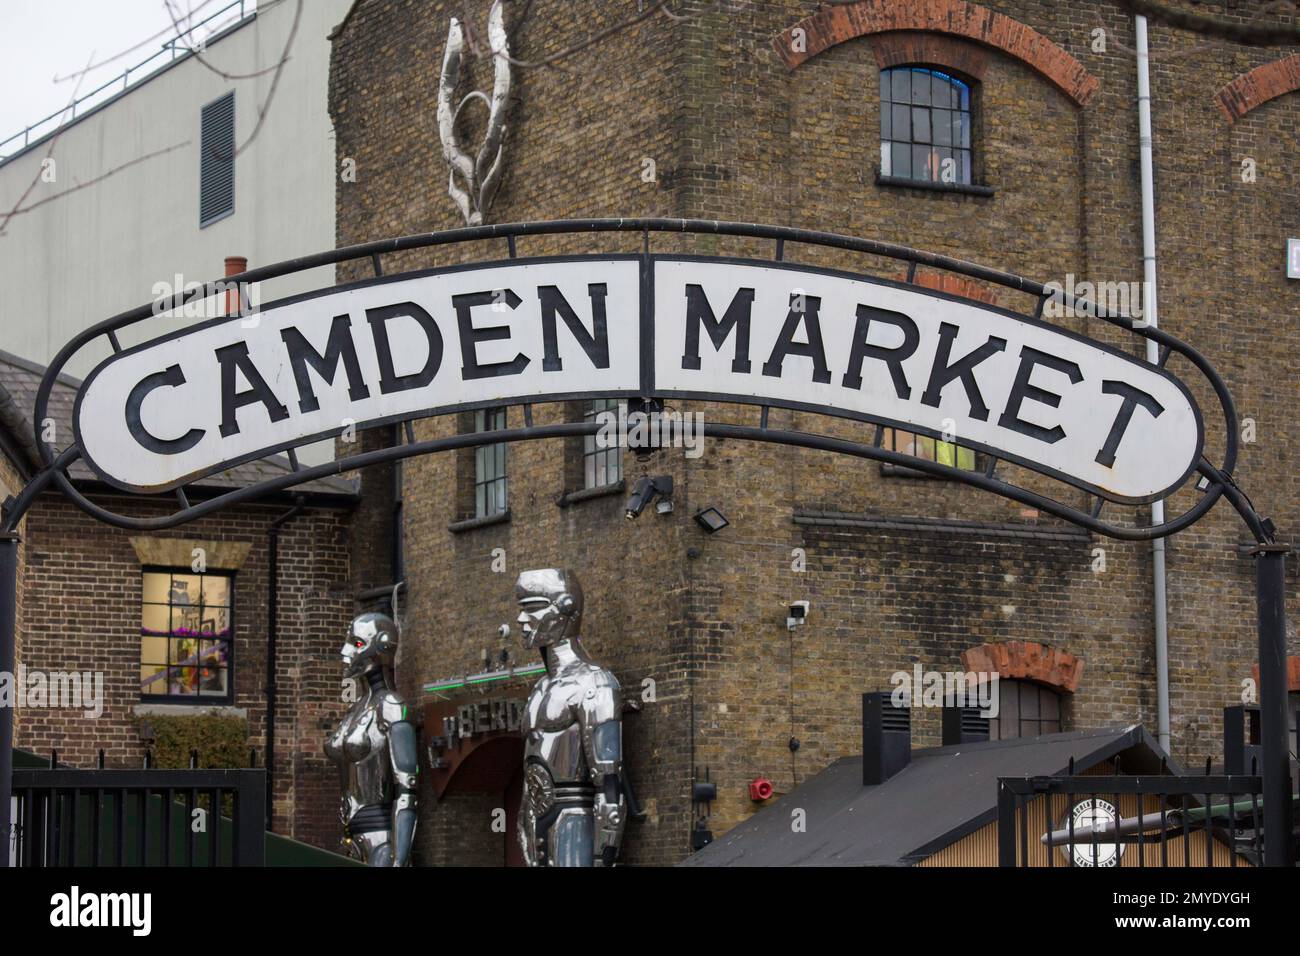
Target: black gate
(1136, 820)
(69, 817)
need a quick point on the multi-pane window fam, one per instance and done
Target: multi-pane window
(1025, 710)
(489, 465)
(931, 449)
(600, 465)
(186, 635)
(925, 125)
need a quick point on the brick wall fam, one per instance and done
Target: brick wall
(736, 133)
(82, 599)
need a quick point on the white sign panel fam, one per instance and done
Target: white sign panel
(155, 416)
(1293, 258)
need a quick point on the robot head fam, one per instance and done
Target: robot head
(372, 642)
(550, 603)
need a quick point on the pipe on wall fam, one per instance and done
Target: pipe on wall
(1151, 315)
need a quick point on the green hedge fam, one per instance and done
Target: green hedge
(221, 740)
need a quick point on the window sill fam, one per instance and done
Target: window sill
(187, 709)
(967, 189)
(570, 498)
(473, 524)
(902, 471)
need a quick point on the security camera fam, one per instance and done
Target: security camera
(645, 491)
(797, 614)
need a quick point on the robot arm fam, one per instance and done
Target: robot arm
(404, 764)
(602, 740)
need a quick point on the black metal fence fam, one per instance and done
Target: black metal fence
(68, 817)
(1131, 820)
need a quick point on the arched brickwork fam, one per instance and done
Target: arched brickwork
(841, 23)
(905, 47)
(1292, 674)
(1026, 660)
(1257, 87)
(953, 284)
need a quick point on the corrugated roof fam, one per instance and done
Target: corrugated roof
(943, 794)
(19, 381)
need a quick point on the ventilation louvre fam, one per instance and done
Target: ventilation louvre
(217, 160)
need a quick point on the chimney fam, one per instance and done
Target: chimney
(234, 266)
(1241, 739)
(964, 725)
(886, 737)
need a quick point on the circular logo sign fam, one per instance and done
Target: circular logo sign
(1094, 815)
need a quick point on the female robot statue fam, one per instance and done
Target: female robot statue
(573, 807)
(375, 749)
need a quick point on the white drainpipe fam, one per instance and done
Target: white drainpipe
(1151, 315)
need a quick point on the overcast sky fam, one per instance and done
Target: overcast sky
(44, 40)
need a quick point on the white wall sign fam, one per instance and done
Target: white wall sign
(153, 417)
(1293, 258)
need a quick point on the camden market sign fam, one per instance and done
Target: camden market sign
(158, 415)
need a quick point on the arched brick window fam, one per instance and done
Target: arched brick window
(926, 130)
(1032, 681)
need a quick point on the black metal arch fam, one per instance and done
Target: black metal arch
(1217, 480)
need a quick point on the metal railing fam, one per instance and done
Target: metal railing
(1133, 820)
(179, 45)
(149, 817)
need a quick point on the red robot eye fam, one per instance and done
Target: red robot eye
(361, 643)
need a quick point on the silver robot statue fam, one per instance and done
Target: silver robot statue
(375, 749)
(573, 808)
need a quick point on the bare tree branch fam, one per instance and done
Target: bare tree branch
(21, 210)
(1248, 34)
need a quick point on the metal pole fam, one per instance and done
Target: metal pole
(1270, 592)
(8, 653)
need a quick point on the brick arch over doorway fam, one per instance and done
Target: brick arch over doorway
(1026, 660)
(1258, 86)
(834, 25)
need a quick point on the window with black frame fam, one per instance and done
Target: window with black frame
(925, 125)
(931, 449)
(601, 465)
(186, 636)
(1025, 710)
(489, 465)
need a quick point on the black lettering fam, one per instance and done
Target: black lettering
(942, 372)
(595, 343)
(389, 380)
(786, 345)
(339, 345)
(1133, 397)
(893, 358)
(171, 378)
(700, 312)
(1021, 389)
(235, 358)
(470, 336)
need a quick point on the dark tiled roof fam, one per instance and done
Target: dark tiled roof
(942, 794)
(19, 381)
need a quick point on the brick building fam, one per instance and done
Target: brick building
(1003, 133)
(173, 646)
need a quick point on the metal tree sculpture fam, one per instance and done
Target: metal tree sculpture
(474, 181)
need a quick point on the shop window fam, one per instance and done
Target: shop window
(600, 466)
(489, 465)
(925, 125)
(1025, 710)
(931, 449)
(186, 636)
